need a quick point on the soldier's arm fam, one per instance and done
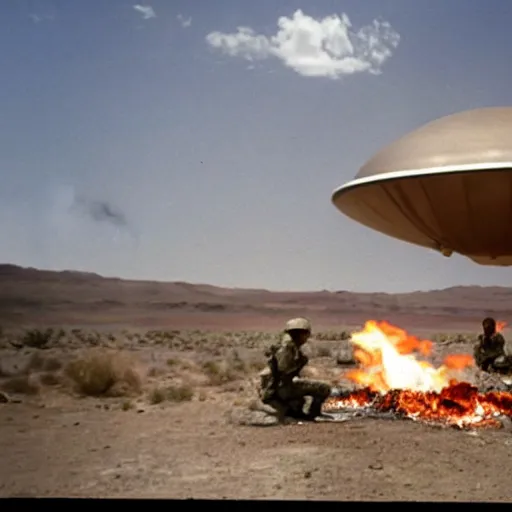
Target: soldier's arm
(498, 343)
(287, 361)
(478, 352)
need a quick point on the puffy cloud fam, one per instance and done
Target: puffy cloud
(146, 11)
(327, 47)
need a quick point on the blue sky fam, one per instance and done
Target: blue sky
(162, 143)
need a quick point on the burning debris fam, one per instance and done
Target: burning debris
(394, 383)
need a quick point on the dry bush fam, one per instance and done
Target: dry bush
(181, 393)
(38, 362)
(104, 373)
(322, 349)
(333, 335)
(453, 338)
(231, 368)
(37, 338)
(50, 379)
(127, 405)
(22, 385)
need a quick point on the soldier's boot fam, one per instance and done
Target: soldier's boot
(279, 409)
(315, 409)
(296, 409)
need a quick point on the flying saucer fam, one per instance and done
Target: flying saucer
(446, 186)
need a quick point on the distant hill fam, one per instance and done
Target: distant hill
(32, 296)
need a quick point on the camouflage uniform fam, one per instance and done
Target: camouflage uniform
(280, 386)
(490, 354)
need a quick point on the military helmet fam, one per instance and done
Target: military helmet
(299, 324)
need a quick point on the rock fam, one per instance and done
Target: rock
(506, 423)
(248, 417)
(345, 354)
(490, 382)
(4, 398)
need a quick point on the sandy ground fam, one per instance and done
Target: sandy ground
(54, 443)
(190, 451)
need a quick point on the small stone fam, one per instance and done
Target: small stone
(4, 398)
(377, 466)
(307, 474)
(139, 411)
(76, 423)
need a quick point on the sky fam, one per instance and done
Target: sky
(201, 141)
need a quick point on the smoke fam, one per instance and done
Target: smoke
(70, 210)
(100, 211)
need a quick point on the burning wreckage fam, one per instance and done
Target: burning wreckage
(394, 383)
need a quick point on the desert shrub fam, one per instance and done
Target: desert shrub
(127, 405)
(323, 350)
(219, 372)
(333, 335)
(37, 338)
(104, 374)
(50, 379)
(21, 384)
(37, 362)
(231, 368)
(182, 393)
(52, 364)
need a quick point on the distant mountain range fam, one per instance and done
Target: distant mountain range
(31, 296)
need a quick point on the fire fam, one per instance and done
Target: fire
(386, 357)
(393, 379)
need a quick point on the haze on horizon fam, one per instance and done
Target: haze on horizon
(179, 141)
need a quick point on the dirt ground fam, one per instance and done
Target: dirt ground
(190, 451)
(54, 442)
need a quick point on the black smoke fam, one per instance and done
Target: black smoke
(100, 211)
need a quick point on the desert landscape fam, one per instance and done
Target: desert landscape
(116, 388)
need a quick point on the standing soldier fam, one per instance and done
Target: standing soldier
(280, 386)
(489, 352)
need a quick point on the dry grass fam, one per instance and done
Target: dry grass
(181, 393)
(104, 373)
(127, 405)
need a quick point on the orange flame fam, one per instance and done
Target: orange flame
(386, 360)
(392, 379)
(500, 326)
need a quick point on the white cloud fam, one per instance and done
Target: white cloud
(328, 47)
(39, 18)
(185, 22)
(146, 11)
